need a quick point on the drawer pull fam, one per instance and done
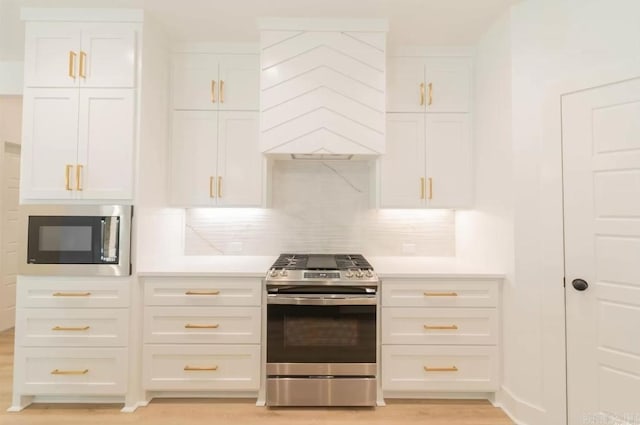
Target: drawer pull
(200, 368)
(440, 369)
(66, 328)
(202, 293)
(441, 327)
(71, 294)
(69, 372)
(192, 326)
(440, 294)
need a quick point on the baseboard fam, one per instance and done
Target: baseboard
(519, 411)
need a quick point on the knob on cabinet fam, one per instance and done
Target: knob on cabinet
(580, 284)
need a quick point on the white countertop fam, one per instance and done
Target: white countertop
(257, 266)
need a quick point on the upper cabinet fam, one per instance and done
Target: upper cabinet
(433, 84)
(206, 81)
(80, 55)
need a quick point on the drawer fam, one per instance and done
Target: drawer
(439, 368)
(439, 293)
(72, 327)
(72, 292)
(71, 371)
(196, 325)
(203, 291)
(201, 367)
(447, 326)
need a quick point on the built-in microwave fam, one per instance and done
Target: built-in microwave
(80, 240)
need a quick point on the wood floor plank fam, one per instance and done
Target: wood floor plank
(240, 411)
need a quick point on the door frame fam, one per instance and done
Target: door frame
(553, 320)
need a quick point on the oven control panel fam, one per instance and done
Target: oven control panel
(357, 275)
(321, 275)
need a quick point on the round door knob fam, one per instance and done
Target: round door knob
(580, 284)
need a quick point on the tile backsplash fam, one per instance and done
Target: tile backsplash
(324, 207)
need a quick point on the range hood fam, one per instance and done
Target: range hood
(322, 85)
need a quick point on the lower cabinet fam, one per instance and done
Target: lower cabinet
(202, 334)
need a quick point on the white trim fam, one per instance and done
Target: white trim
(84, 15)
(436, 51)
(217, 48)
(426, 395)
(331, 24)
(518, 410)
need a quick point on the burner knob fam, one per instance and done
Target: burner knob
(369, 273)
(359, 274)
(283, 272)
(274, 273)
(349, 274)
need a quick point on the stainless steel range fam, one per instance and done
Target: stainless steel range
(321, 331)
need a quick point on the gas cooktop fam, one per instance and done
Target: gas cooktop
(312, 268)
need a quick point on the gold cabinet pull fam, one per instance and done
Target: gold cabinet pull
(430, 94)
(421, 187)
(430, 188)
(72, 65)
(212, 193)
(221, 91)
(71, 294)
(67, 177)
(79, 177)
(83, 59)
(219, 187)
(441, 327)
(440, 294)
(213, 91)
(68, 328)
(214, 292)
(440, 369)
(69, 372)
(421, 94)
(200, 368)
(195, 326)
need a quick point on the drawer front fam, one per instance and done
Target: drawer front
(439, 368)
(72, 328)
(203, 291)
(448, 326)
(439, 293)
(197, 325)
(201, 367)
(72, 371)
(49, 292)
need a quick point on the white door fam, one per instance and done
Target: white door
(194, 81)
(10, 232)
(601, 168)
(107, 56)
(448, 84)
(239, 83)
(52, 55)
(406, 90)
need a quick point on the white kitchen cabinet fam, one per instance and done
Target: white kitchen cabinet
(215, 159)
(433, 84)
(64, 54)
(428, 161)
(78, 144)
(206, 81)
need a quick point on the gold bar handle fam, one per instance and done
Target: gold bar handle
(192, 326)
(439, 327)
(421, 94)
(67, 177)
(440, 369)
(72, 67)
(79, 177)
(214, 292)
(83, 59)
(71, 294)
(221, 91)
(212, 193)
(213, 91)
(430, 188)
(69, 372)
(219, 187)
(67, 328)
(440, 294)
(430, 94)
(200, 368)
(421, 187)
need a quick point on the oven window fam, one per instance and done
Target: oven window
(64, 238)
(321, 334)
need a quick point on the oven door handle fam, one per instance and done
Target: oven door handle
(315, 300)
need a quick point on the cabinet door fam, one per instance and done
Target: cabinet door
(239, 160)
(194, 81)
(193, 158)
(404, 78)
(448, 84)
(50, 143)
(449, 161)
(108, 55)
(239, 83)
(51, 54)
(105, 147)
(402, 166)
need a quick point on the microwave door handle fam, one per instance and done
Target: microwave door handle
(109, 238)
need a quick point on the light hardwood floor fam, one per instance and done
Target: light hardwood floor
(239, 412)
